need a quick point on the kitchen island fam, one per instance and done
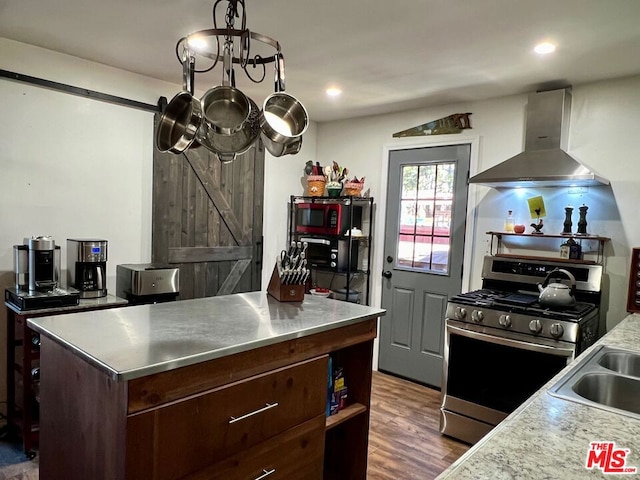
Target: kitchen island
(549, 437)
(222, 387)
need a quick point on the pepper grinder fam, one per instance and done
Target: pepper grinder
(567, 220)
(582, 222)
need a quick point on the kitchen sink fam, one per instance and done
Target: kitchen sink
(608, 378)
(626, 363)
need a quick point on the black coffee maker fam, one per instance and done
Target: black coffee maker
(87, 266)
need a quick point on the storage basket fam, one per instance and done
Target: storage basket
(354, 189)
(315, 185)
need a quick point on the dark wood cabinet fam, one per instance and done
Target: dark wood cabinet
(213, 419)
(23, 367)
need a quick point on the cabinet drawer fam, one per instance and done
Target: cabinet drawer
(186, 436)
(296, 454)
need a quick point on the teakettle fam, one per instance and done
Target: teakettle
(557, 295)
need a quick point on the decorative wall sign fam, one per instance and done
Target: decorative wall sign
(454, 123)
(537, 210)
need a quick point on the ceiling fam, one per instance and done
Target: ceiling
(386, 56)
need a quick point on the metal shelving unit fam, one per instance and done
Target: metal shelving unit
(360, 276)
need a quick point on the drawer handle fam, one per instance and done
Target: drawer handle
(266, 473)
(268, 406)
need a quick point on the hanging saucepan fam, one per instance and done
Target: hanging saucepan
(227, 147)
(179, 123)
(283, 120)
(230, 124)
(182, 116)
(225, 109)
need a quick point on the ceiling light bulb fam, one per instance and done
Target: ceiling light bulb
(544, 48)
(198, 43)
(333, 91)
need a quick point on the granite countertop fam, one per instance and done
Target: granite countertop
(141, 340)
(548, 437)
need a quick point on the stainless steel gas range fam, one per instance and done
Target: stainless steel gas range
(501, 345)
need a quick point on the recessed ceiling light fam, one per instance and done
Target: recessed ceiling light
(544, 48)
(333, 91)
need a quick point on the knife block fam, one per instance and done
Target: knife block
(284, 293)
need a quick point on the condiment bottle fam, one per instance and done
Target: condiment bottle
(509, 222)
(575, 250)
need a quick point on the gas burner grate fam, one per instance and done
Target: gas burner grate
(577, 312)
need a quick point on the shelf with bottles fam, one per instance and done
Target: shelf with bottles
(498, 240)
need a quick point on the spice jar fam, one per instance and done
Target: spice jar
(509, 222)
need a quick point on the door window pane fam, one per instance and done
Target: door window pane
(426, 201)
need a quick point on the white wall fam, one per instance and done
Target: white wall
(72, 167)
(284, 176)
(604, 118)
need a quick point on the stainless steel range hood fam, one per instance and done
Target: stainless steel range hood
(544, 162)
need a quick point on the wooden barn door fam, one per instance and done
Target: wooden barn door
(207, 220)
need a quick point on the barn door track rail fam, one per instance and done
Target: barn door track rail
(83, 92)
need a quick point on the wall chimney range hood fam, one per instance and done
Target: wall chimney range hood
(544, 162)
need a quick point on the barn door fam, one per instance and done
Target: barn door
(207, 220)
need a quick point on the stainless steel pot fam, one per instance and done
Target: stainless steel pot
(227, 147)
(283, 121)
(179, 123)
(225, 109)
(182, 116)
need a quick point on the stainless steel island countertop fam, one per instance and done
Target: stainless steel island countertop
(136, 341)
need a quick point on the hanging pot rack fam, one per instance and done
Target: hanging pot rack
(200, 43)
(187, 120)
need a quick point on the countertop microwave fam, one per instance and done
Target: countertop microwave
(326, 218)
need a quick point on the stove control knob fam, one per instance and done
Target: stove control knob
(477, 316)
(461, 313)
(556, 330)
(535, 326)
(505, 321)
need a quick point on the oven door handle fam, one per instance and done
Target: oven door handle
(510, 342)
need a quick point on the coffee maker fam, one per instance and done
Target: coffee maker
(37, 270)
(37, 264)
(87, 266)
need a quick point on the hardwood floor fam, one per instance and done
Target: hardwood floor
(404, 437)
(404, 440)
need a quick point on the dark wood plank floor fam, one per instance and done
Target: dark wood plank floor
(404, 441)
(404, 437)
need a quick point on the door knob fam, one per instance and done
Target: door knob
(389, 259)
(387, 274)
